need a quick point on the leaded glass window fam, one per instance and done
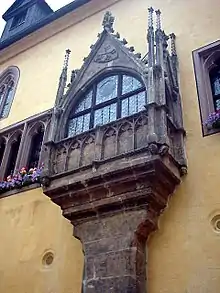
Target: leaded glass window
(130, 84)
(8, 82)
(215, 84)
(105, 115)
(79, 124)
(107, 89)
(114, 97)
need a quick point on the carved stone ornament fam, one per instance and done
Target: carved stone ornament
(113, 181)
(108, 54)
(108, 22)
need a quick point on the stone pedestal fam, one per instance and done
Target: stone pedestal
(113, 214)
(114, 248)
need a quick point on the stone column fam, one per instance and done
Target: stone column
(115, 255)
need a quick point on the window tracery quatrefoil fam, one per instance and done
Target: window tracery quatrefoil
(114, 97)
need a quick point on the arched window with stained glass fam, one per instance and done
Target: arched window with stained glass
(8, 83)
(112, 98)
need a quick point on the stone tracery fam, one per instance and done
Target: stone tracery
(113, 180)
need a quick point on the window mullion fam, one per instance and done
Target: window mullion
(104, 108)
(3, 100)
(120, 82)
(92, 113)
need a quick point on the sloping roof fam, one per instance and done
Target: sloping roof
(45, 21)
(19, 4)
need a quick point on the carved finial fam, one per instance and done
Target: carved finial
(63, 78)
(158, 21)
(173, 44)
(150, 17)
(108, 22)
(66, 59)
(150, 38)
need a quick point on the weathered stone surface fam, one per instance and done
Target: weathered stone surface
(115, 191)
(114, 252)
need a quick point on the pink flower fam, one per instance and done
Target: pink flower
(23, 171)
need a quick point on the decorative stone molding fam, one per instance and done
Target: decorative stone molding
(113, 181)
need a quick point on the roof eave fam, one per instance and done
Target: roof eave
(45, 21)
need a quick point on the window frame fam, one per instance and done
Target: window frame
(15, 22)
(118, 99)
(39, 128)
(203, 59)
(14, 73)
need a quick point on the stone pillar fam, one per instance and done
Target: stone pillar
(115, 255)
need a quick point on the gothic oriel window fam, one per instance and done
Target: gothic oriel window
(113, 97)
(35, 149)
(8, 83)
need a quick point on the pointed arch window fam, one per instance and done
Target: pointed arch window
(35, 148)
(8, 83)
(13, 156)
(113, 97)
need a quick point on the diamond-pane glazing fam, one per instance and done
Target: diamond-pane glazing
(133, 104)
(105, 115)
(107, 89)
(130, 84)
(85, 103)
(78, 125)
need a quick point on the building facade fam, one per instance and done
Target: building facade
(109, 147)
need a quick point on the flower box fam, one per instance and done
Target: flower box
(21, 179)
(213, 121)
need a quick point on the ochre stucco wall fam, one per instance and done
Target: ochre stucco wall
(183, 255)
(30, 226)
